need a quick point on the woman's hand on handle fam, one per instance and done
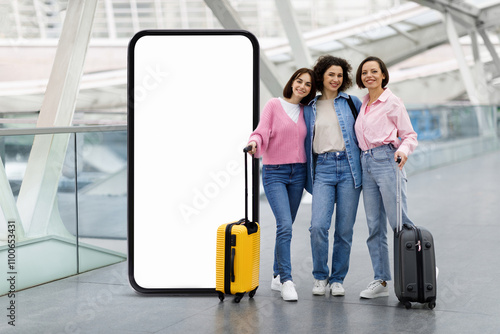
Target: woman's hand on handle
(403, 157)
(254, 147)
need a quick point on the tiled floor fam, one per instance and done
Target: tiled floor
(459, 204)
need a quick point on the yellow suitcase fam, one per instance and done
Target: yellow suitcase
(238, 252)
(238, 258)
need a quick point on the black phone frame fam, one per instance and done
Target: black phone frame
(255, 187)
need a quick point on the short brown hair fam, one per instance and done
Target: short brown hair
(324, 63)
(287, 91)
(383, 68)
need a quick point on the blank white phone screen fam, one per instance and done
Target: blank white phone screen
(193, 99)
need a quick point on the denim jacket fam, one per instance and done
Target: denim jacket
(346, 122)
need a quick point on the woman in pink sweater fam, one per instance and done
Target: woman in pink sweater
(279, 140)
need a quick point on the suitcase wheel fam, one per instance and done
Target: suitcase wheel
(221, 296)
(252, 293)
(238, 297)
(432, 305)
(406, 304)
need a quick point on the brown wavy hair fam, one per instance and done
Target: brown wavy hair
(287, 91)
(383, 68)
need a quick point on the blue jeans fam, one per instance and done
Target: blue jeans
(379, 197)
(333, 183)
(283, 185)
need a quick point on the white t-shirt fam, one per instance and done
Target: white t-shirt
(327, 132)
(293, 110)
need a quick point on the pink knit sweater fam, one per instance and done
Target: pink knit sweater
(279, 139)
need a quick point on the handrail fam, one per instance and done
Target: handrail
(62, 129)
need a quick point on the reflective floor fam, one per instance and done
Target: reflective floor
(459, 204)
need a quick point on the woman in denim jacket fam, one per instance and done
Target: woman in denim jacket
(333, 171)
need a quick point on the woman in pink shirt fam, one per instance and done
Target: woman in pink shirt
(279, 140)
(384, 133)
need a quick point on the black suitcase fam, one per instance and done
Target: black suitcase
(414, 261)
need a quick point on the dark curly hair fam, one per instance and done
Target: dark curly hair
(324, 63)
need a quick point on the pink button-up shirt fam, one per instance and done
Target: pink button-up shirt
(383, 122)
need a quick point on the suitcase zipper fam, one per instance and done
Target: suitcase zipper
(420, 265)
(233, 255)
(228, 263)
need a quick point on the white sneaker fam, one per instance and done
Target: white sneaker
(276, 283)
(375, 289)
(337, 289)
(288, 292)
(320, 286)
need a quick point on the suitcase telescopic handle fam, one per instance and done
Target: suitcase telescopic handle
(245, 151)
(399, 209)
(251, 226)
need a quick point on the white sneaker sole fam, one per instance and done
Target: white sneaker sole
(290, 299)
(371, 296)
(319, 293)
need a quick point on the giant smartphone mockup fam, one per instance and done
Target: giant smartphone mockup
(193, 100)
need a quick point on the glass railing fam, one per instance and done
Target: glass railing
(63, 200)
(448, 122)
(451, 133)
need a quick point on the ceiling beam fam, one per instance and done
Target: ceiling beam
(230, 19)
(289, 20)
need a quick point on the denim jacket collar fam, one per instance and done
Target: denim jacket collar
(340, 94)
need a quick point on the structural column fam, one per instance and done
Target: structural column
(482, 88)
(37, 196)
(291, 25)
(467, 78)
(491, 48)
(465, 72)
(8, 207)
